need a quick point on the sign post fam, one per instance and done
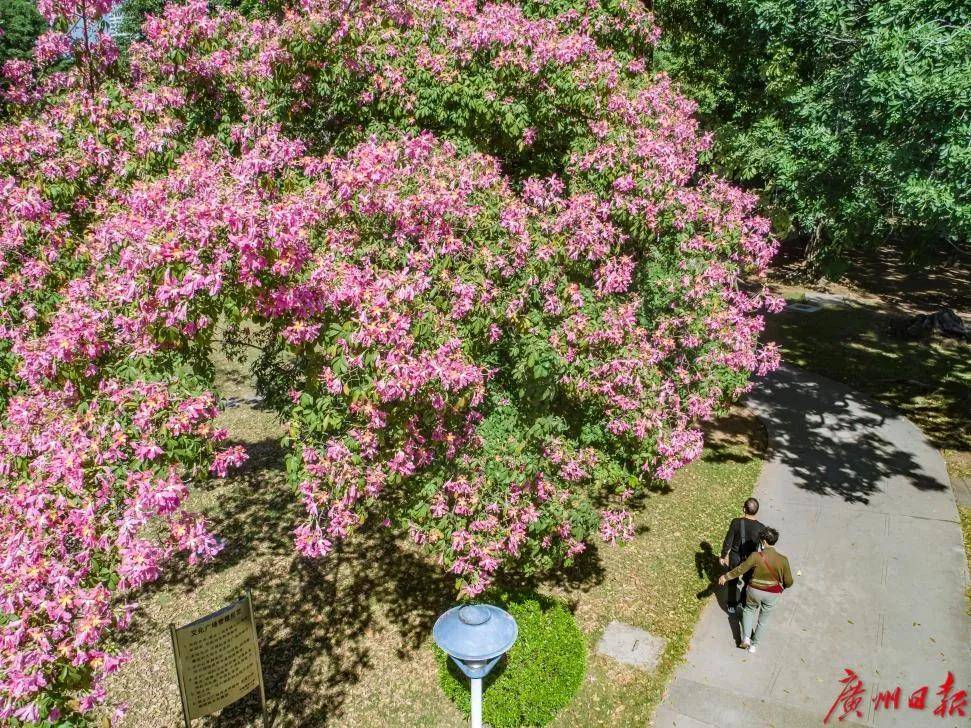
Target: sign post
(217, 660)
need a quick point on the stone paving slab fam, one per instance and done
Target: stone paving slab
(800, 307)
(827, 299)
(866, 513)
(631, 646)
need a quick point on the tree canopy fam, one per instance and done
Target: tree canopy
(20, 24)
(492, 291)
(852, 119)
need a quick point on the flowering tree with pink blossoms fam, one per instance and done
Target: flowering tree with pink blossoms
(493, 293)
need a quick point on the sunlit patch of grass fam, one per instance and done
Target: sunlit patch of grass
(662, 580)
(965, 514)
(958, 463)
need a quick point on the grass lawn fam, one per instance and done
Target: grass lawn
(346, 640)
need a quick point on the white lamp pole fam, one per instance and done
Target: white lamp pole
(475, 636)
(476, 702)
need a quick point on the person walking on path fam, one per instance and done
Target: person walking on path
(740, 542)
(771, 575)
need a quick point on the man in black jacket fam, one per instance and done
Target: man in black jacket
(741, 541)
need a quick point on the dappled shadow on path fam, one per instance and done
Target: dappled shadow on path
(927, 380)
(834, 442)
(942, 279)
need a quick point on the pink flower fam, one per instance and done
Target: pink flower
(232, 457)
(441, 318)
(52, 46)
(614, 276)
(147, 450)
(616, 526)
(29, 713)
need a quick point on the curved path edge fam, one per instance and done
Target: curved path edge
(867, 515)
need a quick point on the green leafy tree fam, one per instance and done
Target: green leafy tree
(853, 118)
(133, 15)
(20, 24)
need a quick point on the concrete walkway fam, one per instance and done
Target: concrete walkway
(865, 512)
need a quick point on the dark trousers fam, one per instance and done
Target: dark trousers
(735, 594)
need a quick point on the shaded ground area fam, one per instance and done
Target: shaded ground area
(929, 381)
(330, 630)
(884, 278)
(870, 526)
(346, 640)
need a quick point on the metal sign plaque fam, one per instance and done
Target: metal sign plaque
(217, 660)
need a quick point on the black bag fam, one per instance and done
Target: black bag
(748, 542)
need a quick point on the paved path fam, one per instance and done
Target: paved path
(866, 514)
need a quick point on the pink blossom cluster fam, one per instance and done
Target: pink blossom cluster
(55, 11)
(497, 361)
(86, 487)
(96, 450)
(52, 46)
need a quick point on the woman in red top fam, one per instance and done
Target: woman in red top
(771, 575)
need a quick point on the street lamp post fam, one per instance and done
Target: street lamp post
(475, 636)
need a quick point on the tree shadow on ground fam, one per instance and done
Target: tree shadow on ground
(317, 618)
(834, 442)
(925, 285)
(927, 380)
(332, 607)
(942, 279)
(254, 512)
(734, 437)
(314, 616)
(586, 572)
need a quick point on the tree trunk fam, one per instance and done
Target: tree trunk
(812, 254)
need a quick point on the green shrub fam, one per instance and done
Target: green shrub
(539, 675)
